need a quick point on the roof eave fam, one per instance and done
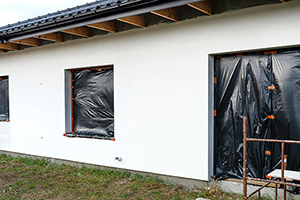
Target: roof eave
(110, 13)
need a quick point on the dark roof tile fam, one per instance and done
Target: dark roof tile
(69, 12)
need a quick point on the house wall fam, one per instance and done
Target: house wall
(161, 81)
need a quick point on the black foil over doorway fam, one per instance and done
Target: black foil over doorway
(265, 87)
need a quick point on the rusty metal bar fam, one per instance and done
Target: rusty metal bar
(272, 140)
(258, 190)
(276, 185)
(282, 170)
(278, 182)
(284, 167)
(245, 157)
(283, 164)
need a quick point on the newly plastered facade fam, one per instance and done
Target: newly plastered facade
(163, 94)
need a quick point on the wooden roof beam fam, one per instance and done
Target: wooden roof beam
(54, 37)
(136, 20)
(169, 13)
(203, 6)
(105, 26)
(79, 31)
(28, 41)
(9, 46)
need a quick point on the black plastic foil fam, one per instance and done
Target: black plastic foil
(258, 86)
(93, 103)
(4, 101)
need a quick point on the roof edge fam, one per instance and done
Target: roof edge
(111, 13)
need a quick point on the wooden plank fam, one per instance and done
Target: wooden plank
(288, 174)
(80, 31)
(28, 41)
(105, 26)
(2, 50)
(168, 13)
(55, 37)
(283, 1)
(203, 6)
(9, 46)
(135, 20)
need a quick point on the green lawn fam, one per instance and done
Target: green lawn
(27, 178)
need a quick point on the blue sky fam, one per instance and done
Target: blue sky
(12, 11)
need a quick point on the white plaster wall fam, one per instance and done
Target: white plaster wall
(161, 89)
(4, 136)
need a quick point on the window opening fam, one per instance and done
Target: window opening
(4, 99)
(92, 103)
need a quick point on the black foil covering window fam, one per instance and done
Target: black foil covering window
(265, 87)
(4, 99)
(93, 103)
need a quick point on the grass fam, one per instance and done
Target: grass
(27, 178)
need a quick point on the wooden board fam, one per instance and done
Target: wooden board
(136, 20)
(288, 174)
(168, 13)
(105, 26)
(55, 37)
(203, 6)
(80, 31)
(28, 41)
(9, 46)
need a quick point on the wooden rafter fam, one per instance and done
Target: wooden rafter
(55, 37)
(9, 46)
(203, 6)
(136, 20)
(168, 13)
(105, 26)
(28, 41)
(80, 31)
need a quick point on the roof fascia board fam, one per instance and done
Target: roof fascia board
(107, 18)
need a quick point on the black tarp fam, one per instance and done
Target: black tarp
(242, 88)
(93, 103)
(4, 102)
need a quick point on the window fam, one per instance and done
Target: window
(92, 103)
(4, 102)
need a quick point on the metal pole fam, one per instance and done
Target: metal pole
(272, 140)
(285, 162)
(245, 157)
(282, 170)
(271, 181)
(258, 190)
(276, 185)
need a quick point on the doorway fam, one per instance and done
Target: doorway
(265, 87)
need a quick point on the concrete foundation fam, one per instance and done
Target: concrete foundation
(268, 192)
